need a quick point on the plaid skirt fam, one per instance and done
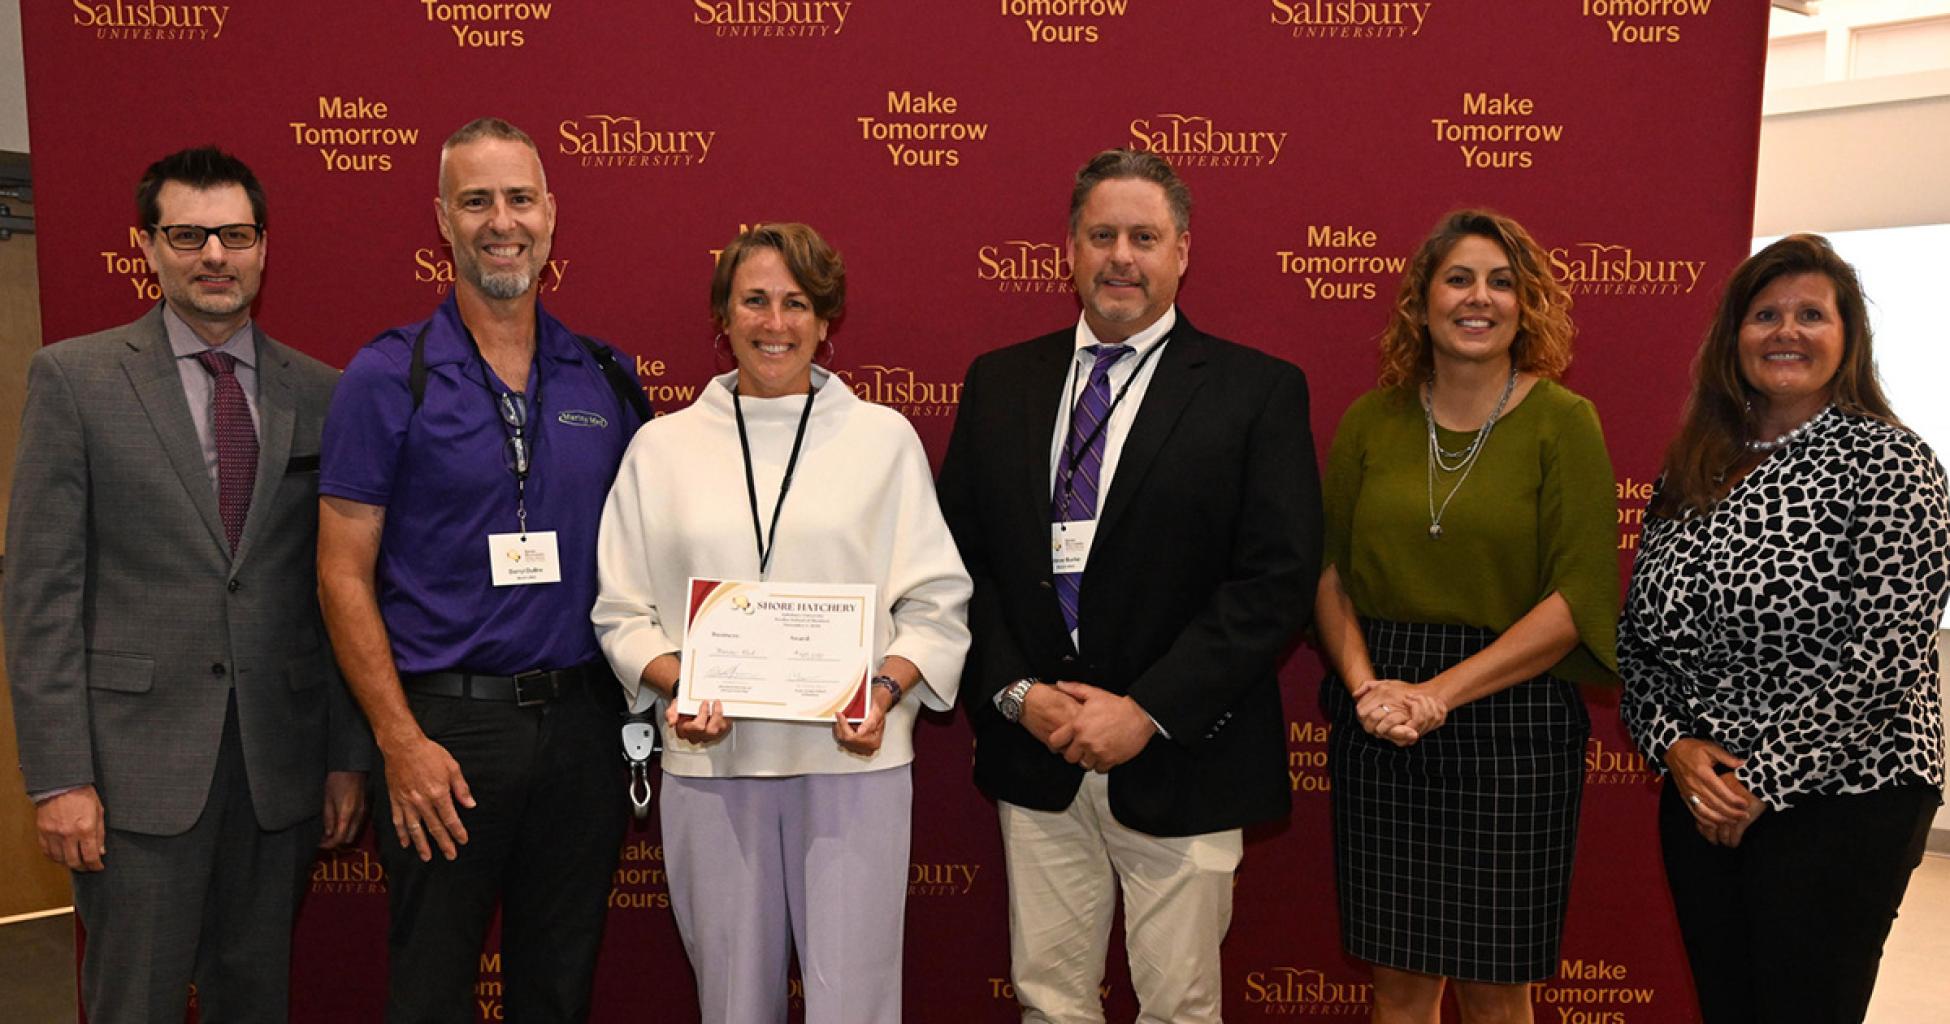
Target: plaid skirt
(1452, 856)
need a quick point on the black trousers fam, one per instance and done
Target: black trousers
(543, 840)
(1788, 926)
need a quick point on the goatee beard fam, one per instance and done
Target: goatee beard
(511, 285)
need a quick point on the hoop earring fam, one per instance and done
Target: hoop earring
(830, 349)
(722, 354)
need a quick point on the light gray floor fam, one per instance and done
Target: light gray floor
(1912, 988)
(37, 971)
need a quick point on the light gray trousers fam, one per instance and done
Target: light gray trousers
(759, 867)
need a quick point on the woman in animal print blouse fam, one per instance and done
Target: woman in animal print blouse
(1779, 647)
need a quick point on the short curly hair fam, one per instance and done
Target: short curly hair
(1544, 327)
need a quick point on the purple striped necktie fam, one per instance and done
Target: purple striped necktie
(1081, 464)
(236, 443)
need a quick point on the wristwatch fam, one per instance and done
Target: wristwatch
(1009, 701)
(893, 688)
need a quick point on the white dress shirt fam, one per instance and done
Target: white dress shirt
(1143, 363)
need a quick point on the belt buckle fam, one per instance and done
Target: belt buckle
(534, 688)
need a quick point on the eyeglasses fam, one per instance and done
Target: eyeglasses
(514, 412)
(190, 237)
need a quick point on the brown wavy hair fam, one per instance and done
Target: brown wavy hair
(1716, 425)
(1544, 328)
(814, 266)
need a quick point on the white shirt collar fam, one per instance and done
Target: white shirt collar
(1141, 342)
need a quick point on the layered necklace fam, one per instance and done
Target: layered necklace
(1461, 461)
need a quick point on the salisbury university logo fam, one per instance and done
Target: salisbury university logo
(772, 19)
(1195, 140)
(151, 19)
(622, 140)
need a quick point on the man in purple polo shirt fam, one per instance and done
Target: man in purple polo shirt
(465, 463)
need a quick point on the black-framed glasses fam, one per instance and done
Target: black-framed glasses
(191, 237)
(514, 413)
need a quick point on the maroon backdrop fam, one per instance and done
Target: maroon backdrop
(933, 143)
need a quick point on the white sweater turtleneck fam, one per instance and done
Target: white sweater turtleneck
(861, 509)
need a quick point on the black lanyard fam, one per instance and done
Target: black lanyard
(765, 544)
(1065, 483)
(520, 440)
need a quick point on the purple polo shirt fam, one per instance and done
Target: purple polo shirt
(441, 474)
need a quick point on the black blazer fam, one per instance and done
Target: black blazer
(1202, 573)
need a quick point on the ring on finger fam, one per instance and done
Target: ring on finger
(1693, 799)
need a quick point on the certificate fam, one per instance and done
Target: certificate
(799, 652)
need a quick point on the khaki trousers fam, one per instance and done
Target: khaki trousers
(1064, 868)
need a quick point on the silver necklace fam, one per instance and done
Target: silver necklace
(1451, 461)
(1791, 436)
(1465, 460)
(1444, 456)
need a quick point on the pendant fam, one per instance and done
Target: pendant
(1435, 531)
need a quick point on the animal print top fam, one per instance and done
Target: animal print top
(1796, 623)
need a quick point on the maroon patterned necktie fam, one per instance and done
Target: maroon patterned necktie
(236, 443)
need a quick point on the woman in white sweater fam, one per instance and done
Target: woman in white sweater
(783, 835)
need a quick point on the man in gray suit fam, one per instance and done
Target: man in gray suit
(183, 732)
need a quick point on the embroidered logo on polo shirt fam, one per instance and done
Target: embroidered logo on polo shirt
(581, 418)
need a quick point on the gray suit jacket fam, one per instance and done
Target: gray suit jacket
(127, 618)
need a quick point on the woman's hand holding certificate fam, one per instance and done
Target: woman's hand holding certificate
(796, 652)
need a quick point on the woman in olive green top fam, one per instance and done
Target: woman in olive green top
(1471, 578)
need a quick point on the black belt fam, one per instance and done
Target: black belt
(528, 689)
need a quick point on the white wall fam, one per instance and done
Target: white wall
(1872, 166)
(1855, 127)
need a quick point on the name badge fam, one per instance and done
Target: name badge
(518, 560)
(1069, 544)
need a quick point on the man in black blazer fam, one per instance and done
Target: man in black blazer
(1143, 526)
